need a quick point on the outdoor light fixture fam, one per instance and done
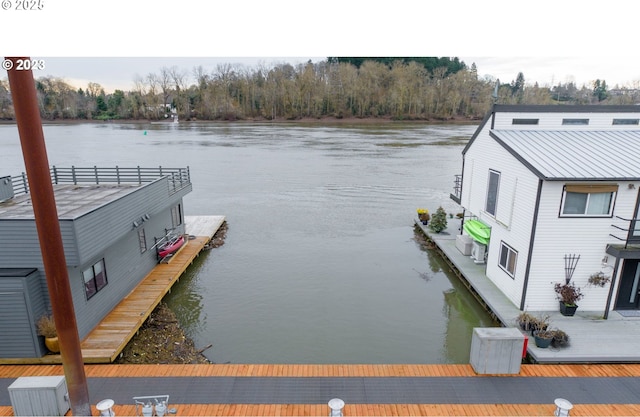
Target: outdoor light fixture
(336, 405)
(562, 407)
(106, 407)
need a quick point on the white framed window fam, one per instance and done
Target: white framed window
(95, 278)
(588, 200)
(493, 185)
(508, 259)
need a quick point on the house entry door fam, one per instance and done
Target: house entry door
(628, 291)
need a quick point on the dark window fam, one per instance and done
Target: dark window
(626, 121)
(176, 215)
(95, 278)
(492, 192)
(575, 121)
(142, 240)
(524, 121)
(508, 258)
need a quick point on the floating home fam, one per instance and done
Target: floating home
(550, 194)
(112, 221)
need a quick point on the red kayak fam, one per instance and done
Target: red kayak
(171, 247)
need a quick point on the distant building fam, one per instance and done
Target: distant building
(111, 220)
(551, 184)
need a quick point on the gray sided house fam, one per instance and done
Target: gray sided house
(111, 219)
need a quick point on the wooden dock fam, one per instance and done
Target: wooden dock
(107, 340)
(190, 373)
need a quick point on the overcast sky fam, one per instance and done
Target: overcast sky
(549, 41)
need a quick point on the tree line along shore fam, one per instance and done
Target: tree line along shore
(443, 89)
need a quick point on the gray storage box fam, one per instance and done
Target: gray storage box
(464, 243)
(39, 396)
(497, 350)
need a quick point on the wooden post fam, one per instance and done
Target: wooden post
(25, 103)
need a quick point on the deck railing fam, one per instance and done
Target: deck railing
(178, 177)
(629, 229)
(457, 188)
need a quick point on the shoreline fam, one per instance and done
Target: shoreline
(306, 120)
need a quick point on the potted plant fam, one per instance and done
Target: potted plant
(423, 215)
(438, 220)
(526, 321)
(568, 295)
(47, 328)
(599, 279)
(560, 339)
(543, 338)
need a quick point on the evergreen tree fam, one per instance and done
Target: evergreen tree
(438, 220)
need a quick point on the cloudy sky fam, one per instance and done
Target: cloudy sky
(548, 41)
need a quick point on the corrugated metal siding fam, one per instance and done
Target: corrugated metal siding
(577, 154)
(557, 236)
(102, 228)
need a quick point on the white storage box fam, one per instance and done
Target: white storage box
(497, 350)
(464, 243)
(39, 396)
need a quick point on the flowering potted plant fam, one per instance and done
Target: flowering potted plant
(423, 215)
(568, 294)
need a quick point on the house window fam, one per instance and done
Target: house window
(492, 192)
(508, 258)
(95, 279)
(588, 200)
(142, 240)
(524, 121)
(626, 121)
(176, 215)
(575, 121)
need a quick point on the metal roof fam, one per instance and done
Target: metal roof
(575, 154)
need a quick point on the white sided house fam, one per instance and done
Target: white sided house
(558, 189)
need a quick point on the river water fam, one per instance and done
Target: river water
(320, 263)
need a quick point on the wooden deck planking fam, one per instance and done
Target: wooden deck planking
(305, 370)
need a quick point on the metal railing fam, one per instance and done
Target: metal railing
(457, 188)
(629, 231)
(178, 177)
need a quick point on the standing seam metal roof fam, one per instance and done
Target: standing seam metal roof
(575, 154)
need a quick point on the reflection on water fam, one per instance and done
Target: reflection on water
(320, 263)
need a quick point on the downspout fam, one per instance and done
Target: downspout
(25, 103)
(614, 274)
(531, 242)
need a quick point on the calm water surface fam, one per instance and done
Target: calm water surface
(320, 263)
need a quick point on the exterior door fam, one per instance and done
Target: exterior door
(628, 291)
